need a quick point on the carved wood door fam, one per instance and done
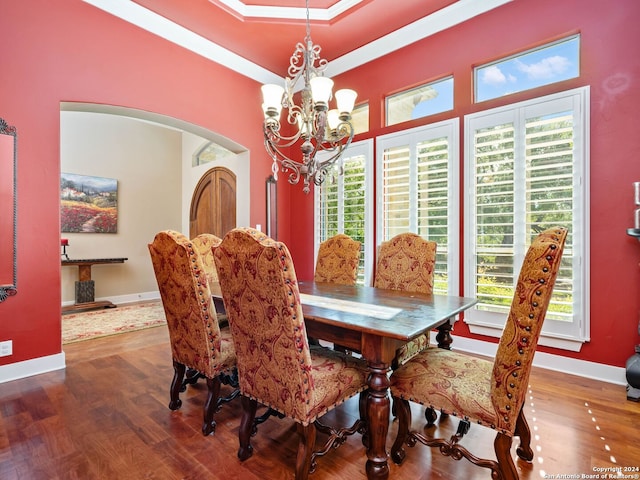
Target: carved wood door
(213, 204)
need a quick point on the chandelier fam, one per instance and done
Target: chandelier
(315, 127)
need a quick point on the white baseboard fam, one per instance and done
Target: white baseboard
(123, 299)
(28, 368)
(582, 368)
(36, 366)
(558, 363)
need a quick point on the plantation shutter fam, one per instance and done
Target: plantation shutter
(417, 192)
(525, 175)
(342, 203)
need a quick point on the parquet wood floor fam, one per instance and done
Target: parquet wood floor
(106, 417)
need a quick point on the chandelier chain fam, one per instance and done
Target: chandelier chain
(308, 21)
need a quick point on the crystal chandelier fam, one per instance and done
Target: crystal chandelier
(315, 127)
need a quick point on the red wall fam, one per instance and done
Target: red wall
(610, 65)
(72, 51)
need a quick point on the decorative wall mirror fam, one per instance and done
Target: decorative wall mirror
(8, 210)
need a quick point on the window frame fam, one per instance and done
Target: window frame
(412, 137)
(554, 334)
(411, 92)
(479, 69)
(364, 148)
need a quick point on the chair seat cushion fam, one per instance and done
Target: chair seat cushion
(225, 361)
(448, 381)
(336, 378)
(227, 351)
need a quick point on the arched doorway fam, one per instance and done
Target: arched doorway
(213, 204)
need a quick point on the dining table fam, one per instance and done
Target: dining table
(375, 322)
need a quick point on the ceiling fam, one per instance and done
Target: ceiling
(257, 37)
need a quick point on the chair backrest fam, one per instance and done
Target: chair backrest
(406, 262)
(193, 326)
(519, 339)
(204, 244)
(262, 300)
(338, 260)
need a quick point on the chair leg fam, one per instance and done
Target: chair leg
(211, 405)
(403, 410)
(176, 385)
(502, 447)
(305, 450)
(362, 408)
(249, 407)
(191, 378)
(430, 416)
(270, 412)
(522, 430)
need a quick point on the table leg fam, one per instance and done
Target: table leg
(444, 335)
(85, 293)
(378, 410)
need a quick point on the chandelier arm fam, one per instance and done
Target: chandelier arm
(274, 138)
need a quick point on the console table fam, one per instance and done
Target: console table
(85, 287)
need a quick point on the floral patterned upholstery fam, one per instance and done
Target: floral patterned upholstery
(480, 391)
(338, 260)
(204, 244)
(197, 342)
(406, 262)
(276, 366)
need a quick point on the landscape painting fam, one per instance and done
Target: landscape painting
(88, 204)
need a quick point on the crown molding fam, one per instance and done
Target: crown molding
(144, 18)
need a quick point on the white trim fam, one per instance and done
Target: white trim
(410, 138)
(557, 363)
(447, 17)
(290, 13)
(564, 335)
(361, 148)
(122, 299)
(35, 366)
(152, 22)
(555, 341)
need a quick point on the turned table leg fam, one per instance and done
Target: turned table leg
(444, 335)
(378, 410)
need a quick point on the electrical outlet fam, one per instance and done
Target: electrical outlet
(6, 348)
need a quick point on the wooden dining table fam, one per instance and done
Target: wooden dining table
(375, 322)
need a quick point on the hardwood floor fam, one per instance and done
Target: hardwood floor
(106, 417)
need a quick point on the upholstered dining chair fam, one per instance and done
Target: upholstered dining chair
(490, 393)
(338, 260)
(197, 342)
(276, 366)
(406, 262)
(204, 244)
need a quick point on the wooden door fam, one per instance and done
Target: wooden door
(213, 205)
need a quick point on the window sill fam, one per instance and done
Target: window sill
(563, 343)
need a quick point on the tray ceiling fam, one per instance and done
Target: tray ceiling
(257, 37)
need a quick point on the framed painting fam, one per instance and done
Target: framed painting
(88, 204)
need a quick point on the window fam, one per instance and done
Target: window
(420, 102)
(527, 171)
(418, 192)
(360, 119)
(544, 65)
(211, 152)
(344, 205)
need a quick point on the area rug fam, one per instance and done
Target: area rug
(111, 321)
